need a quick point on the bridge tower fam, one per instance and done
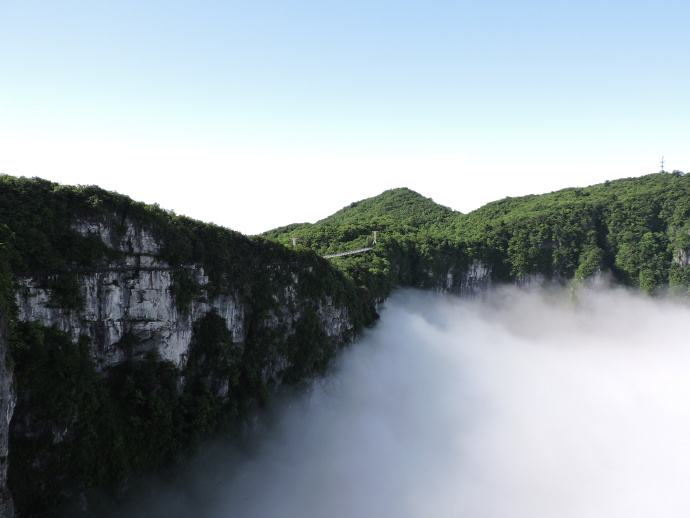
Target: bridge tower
(373, 242)
(294, 242)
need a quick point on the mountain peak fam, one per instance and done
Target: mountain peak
(400, 205)
(399, 211)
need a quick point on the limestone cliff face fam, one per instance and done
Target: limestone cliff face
(132, 300)
(470, 281)
(681, 257)
(129, 308)
(476, 279)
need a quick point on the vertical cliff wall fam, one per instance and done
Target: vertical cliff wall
(129, 308)
(123, 363)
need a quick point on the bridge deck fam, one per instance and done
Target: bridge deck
(349, 252)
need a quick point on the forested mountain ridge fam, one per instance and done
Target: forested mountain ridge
(401, 212)
(128, 333)
(413, 246)
(634, 228)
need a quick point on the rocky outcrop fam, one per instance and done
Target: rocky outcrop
(681, 257)
(129, 306)
(530, 280)
(472, 281)
(131, 239)
(453, 276)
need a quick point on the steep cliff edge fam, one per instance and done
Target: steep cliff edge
(136, 333)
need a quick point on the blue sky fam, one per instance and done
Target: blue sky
(237, 112)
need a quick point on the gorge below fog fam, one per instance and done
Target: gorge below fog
(515, 404)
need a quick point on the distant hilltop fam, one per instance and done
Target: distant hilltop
(634, 230)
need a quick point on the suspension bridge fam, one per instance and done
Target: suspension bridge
(347, 252)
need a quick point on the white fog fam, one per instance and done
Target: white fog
(517, 404)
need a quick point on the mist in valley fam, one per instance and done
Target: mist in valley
(516, 404)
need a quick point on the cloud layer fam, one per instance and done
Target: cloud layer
(515, 405)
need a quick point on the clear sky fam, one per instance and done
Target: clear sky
(260, 113)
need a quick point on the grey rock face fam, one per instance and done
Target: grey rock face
(530, 280)
(475, 279)
(133, 240)
(129, 302)
(468, 281)
(132, 301)
(681, 257)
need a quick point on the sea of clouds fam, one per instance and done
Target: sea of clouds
(517, 404)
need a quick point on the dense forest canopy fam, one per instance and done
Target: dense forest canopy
(634, 228)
